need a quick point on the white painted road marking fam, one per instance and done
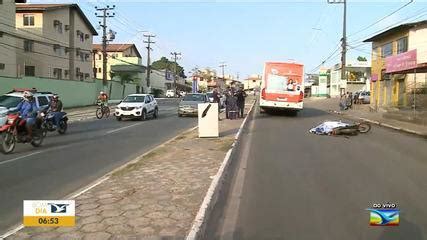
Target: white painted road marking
(123, 128)
(21, 157)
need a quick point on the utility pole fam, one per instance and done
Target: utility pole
(175, 57)
(105, 14)
(148, 42)
(344, 36)
(222, 66)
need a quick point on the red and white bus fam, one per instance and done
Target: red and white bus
(282, 87)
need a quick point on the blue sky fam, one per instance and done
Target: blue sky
(245, 34)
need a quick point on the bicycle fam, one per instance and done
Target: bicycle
(102, 111)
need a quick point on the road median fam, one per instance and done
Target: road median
(155, 195)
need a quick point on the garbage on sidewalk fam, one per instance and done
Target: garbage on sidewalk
(327, 127)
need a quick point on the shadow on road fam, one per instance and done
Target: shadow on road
(405, 230)
(306, 113)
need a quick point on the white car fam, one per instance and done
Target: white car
(170, 93)
(9, 102)
(139, 106)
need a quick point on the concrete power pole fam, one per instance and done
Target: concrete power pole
(222, 66)
(175, 57)
(344, 37)
(105, 14)
(149, 49)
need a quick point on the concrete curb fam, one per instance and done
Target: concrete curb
(102, 179)
(386, 125)
(199, 224)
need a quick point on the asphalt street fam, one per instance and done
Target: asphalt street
(66, 163)
(291, 184)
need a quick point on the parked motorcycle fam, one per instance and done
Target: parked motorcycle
(48, 124)
(14, 131)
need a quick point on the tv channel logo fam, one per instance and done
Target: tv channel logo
(386, 214)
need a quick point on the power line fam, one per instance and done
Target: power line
(379, 20)
(417, 15)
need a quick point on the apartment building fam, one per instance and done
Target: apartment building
(399, 66)
(53, 41)
(117, 54)
(8, 67)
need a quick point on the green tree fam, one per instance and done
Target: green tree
(361, 59)
(124, 78)
(164, 64)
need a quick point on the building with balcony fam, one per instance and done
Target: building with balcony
(53, 41)
(399, 66)
(117, 54)
(8, 66)
(358, 75)
(253, 82)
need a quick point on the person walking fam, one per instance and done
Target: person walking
(228, 101)
(350, 100)
(240, 98)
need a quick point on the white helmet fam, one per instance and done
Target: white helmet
(101, 92)
(27, 95)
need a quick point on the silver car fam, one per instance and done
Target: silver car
(189, 104)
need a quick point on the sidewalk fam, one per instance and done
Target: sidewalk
(362, 112)
(156, 196)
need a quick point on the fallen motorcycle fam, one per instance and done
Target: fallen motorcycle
(352, 129)
(14, 131)
(48, 124)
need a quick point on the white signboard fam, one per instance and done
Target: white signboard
(208, 120)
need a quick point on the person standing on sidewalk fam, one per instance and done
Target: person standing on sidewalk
(241, 95)
(217, 99)
(350, 100)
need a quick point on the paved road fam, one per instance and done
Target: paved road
(89, 150)
(291, 184)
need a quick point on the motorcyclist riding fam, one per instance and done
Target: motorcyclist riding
(103, 98)
(55, 107)
(28, 111)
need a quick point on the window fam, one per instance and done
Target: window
(1, 34)
(28, 46)
(30, 71)
(66, 73)
(82, 57)
(43, 101)
(99, 70)
(57, 49)
(1, 1)
(57, 73)
(385, 76)
(375, 53)
(387, 50)
(28, 20)
(58, 26)
(402, 45)
(2, 66)
(147, 99)
(99, 56)
(82, 37)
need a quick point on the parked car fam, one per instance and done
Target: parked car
(9, 101)
(365, 97)
(139, 106)
(170, 93)
(189, 104)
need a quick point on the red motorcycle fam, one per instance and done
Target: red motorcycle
(14, 131)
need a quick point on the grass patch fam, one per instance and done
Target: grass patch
(139, 163)
(225, 144)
